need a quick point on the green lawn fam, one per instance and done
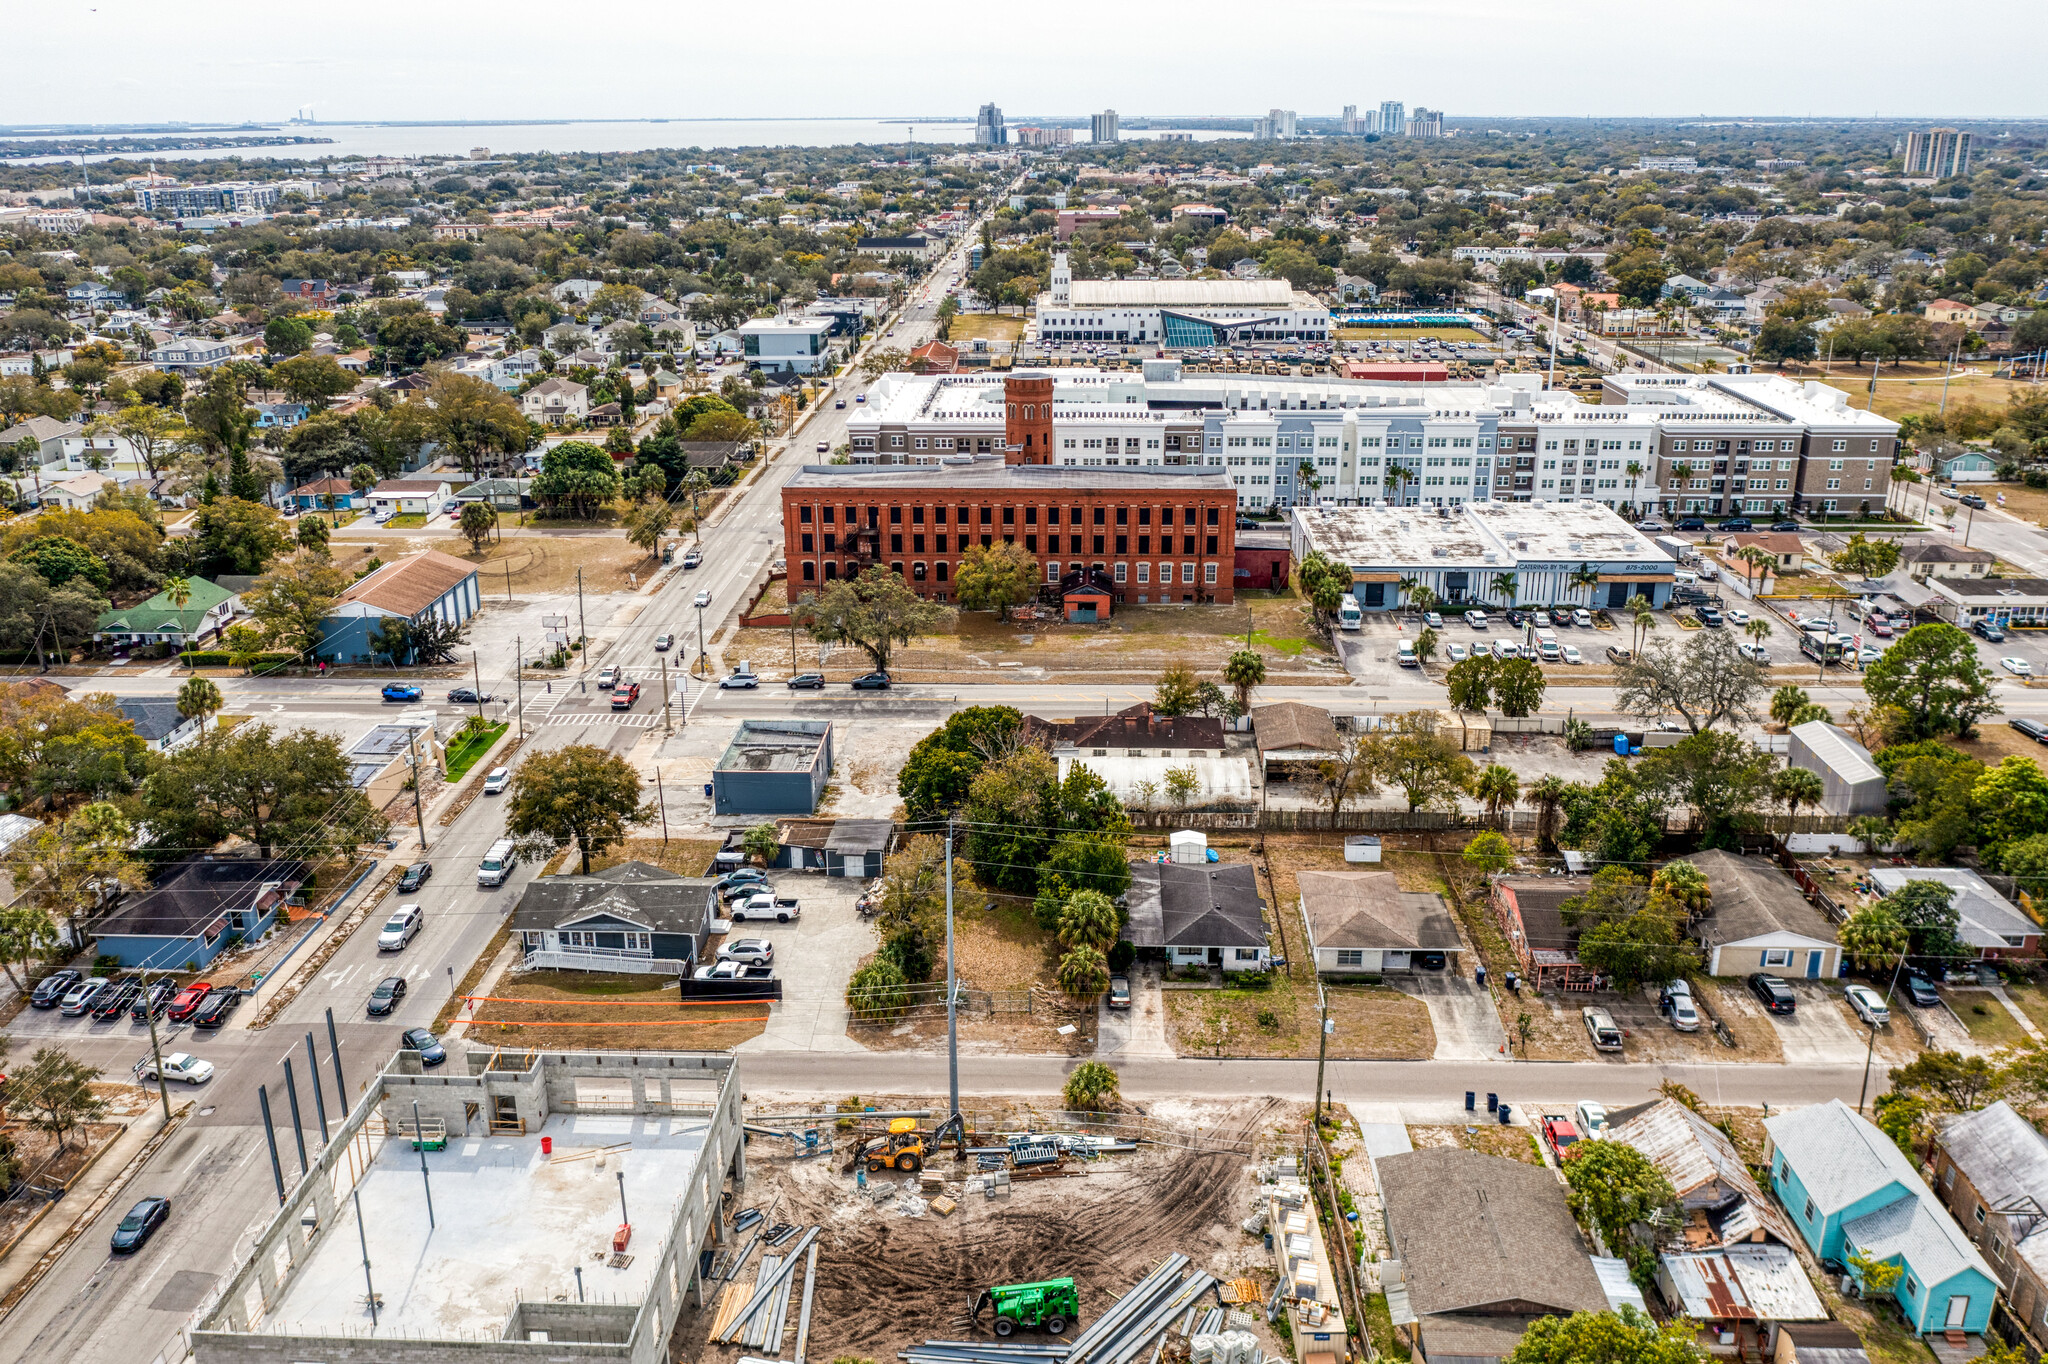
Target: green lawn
(1988, 1020)
(471, 746)
(407, 521)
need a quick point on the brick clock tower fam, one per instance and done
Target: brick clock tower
(1027, 424)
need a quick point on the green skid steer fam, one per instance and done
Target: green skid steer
(1050, 1305)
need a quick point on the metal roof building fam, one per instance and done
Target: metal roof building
(1850, 782)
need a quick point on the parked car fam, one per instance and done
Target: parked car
(1515, 618)
(1785, 526)
(872, 682)
(1582, 618)
(1433, 619)
(140, 1224)
(1617, 654)
(692, 558)
(1650, 527)
(155, 999)
(2018, 667)
(607, 677)
(1708, 616)
(466, 696)
(116, 1001)
(1559, 1134)
(219, 1004)
(432, 1053)
(1691, 523)
(1476, 619)
(400, 691)
(414, 877)
(1921, 993)
(1734, 523)
(51, 989)
(1456, 652)
(1601, 1028)
(766, 905)
(496, 780)
(756, 950)
(1572, 655)
(386, 997)
(188, 1002)
(1755, 653)
(1774, 994)
(663, 643)
(624, 697)
(1868, 1005)
(2033, 729)
(1119, 992)
(177, 1066)
(739, 682)
(401, 928)
(1736, 616)
(807, 682)
(744, 877)
(1988, 630)
(1881, 627)
(1675, 1002)
(1591, 1119)
(1972, 500)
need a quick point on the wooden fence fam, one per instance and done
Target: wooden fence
(1376, 821)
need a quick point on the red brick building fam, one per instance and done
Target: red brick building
(1161, 534)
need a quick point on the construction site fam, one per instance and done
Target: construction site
(956, 1247)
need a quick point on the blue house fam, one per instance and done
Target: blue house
(1851, 1191)
(1972, 466)
(197, 911)
(420, 586)
(280, 416)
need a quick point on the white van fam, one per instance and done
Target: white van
(1682, 578)
(1546, 647)
(1348, 614)
(497, 863)
(1404, 654)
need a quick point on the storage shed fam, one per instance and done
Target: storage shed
(1850, 782)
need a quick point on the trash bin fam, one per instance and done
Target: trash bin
(707, 790)
(1505, 1114)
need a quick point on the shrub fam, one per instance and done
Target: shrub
(1121, 955)
(878, 990)
(1091, 1088)
(1268, 1020)
(221, 658)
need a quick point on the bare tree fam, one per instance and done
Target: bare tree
(1706, 683)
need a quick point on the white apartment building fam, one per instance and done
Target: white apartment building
(1705, 445)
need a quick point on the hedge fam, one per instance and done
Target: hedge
(221, 658)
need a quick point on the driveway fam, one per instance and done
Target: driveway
(815, 957)
(1139, 1031)
(1467, 1025)
(1820, 1032)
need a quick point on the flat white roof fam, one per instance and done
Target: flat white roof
(1187, 293)
(788, 324)
(1496, 535)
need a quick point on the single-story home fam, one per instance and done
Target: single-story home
(506, 494)
(196, 910)
(1851, 783)
(1988, 922)
(633, 918)
(1851, 1191)
(207, 610)
(1363, 923)
(1991, 1170)
(325, 494)
(78, 492)
(837, 847)
(1787, 550)
(1971, 466)
(415, 588)
(157, 722)
(1530, 911)
(1198, 914)
(1292, 738)
(409, 496)
(1136, 746)
(1721, 1202)
(1939, 559)
(1761, 921)
(721, 460)
(1739, 1294)
(1485, 1246)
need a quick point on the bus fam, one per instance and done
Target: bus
(1822, 649)
(1348, 614)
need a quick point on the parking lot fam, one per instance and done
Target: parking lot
(814, 958)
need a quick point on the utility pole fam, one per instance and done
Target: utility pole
(666, 726)
(1322, 1045)
(476, 675)
(519, 681)
(1555, 300)
(662, 797)
(582, 635)
(156, 1054)
(412, 754)
(702, 661)
(952, 994)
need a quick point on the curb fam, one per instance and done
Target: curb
(26, 1284)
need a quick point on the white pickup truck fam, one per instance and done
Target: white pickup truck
(177, 1066)
(765, 905)
(733, 970)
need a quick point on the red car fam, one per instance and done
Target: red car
(1558, 1134)
(188, 1001)
(1880, 627)
(624, 697)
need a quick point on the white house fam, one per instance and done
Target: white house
(556, 399)
(192, 355)
(402, 496)
(576, 290)
(76, 493)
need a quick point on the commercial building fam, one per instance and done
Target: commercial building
(1555, 552)
(773, 767)
(227, 196)
(1030, 135)
(493, 1276)
(1176, 313)
(923, 248)
(1102, 126)
(196, 910)
(416, 588)
(1351, 123)
(1393, 117)
(988, 127)
(1684, 164)
(1277, 126)
(1938, 152)
(796, 344)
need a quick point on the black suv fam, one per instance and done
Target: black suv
(53, 987)
(415, 876)
(1775, 995)
(1736, 523)
(1691, 523)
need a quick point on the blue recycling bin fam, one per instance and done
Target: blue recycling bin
(1621, 744)
(707, 790)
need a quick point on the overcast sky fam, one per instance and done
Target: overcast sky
(143, 60)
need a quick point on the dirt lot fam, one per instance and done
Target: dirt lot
(1488, 1138)
(548, 563)
(596, 1011)
(1134, 647)
(887, 1280)
(1373, 1022)
(1756, 1037)
(985, 327)
(43, 1164)
(1906, 387)
(683, 856)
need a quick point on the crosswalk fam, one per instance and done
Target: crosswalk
(605, 717)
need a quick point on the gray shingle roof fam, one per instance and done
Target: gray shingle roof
(1752, 898)
(1368, 909)
(635, 891)
(1195, 905)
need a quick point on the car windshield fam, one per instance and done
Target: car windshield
(394, 923)
(384, 989)
(420, 1038)
(132, 1222)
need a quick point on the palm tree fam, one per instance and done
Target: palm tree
(198, 698)
(1759, 560)
(1497, 788)
(1640, 617)
(1758, 630)
(1585, 577)
(1305, 475)
(1398, 478)
(1507, 585)
(1635, 476)
(178, 591)
(1244, 670)
(1874, 832)
(1547, 795)
(1796, 787)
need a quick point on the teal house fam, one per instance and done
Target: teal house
(1850, 1191)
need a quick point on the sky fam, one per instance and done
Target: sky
(120, 61)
